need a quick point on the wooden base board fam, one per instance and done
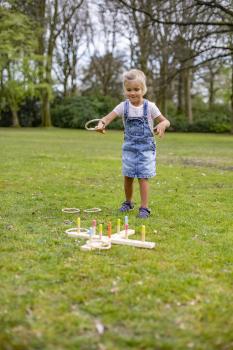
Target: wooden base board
(116, 238)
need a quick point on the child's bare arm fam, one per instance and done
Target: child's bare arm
(163, 124)
(105, 121)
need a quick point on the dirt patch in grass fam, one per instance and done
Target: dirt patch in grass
(194, 162)
(205, 164)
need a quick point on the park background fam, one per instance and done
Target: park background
(61, 63)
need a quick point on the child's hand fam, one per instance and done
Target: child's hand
(160, 129)
(100, 127)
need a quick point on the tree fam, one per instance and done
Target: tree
(106, 63)
(71, 47)
(50, 18)
(103, 75)
(211, 23)
(16, 60)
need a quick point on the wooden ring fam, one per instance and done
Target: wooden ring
(92, 210)
(71, 210)
(90, 122)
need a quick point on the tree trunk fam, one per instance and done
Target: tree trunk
(41, 51)
(65, 84)
(211, 88)
(162, 102)
(45, 109)
(231, 94)
(74, 75)
(15, 118)
(180, 107)
(144, 38)
(46, 115)
(187, 96)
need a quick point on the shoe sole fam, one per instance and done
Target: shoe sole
(123, 211)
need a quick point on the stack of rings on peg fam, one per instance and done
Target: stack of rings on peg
(96, 239)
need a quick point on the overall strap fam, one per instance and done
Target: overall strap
(145, 108)
(126, 109)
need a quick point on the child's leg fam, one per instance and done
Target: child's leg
(128, 185)
(144, 192)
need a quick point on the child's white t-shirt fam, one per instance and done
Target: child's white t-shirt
(137, 112)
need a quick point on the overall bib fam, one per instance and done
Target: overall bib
(138, 150)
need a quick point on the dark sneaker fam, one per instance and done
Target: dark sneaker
(126, 206)
(143, 213)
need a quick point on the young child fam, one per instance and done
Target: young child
(139, 150)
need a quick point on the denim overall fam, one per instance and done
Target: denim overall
(138, 150)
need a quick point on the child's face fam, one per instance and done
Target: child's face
(134, 92)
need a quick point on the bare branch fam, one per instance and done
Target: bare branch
(68, 18)
(179, 23)
(215, 5)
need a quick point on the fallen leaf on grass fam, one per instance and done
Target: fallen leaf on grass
(99, 327)
(68, 222)
(9, 227)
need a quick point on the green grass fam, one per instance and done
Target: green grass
(54, 296)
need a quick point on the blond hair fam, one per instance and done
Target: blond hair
(135, 74)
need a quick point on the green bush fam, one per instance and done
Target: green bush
(74, 112)
(29, 114)
(216, 119)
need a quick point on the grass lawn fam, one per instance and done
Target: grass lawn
(54, 296)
